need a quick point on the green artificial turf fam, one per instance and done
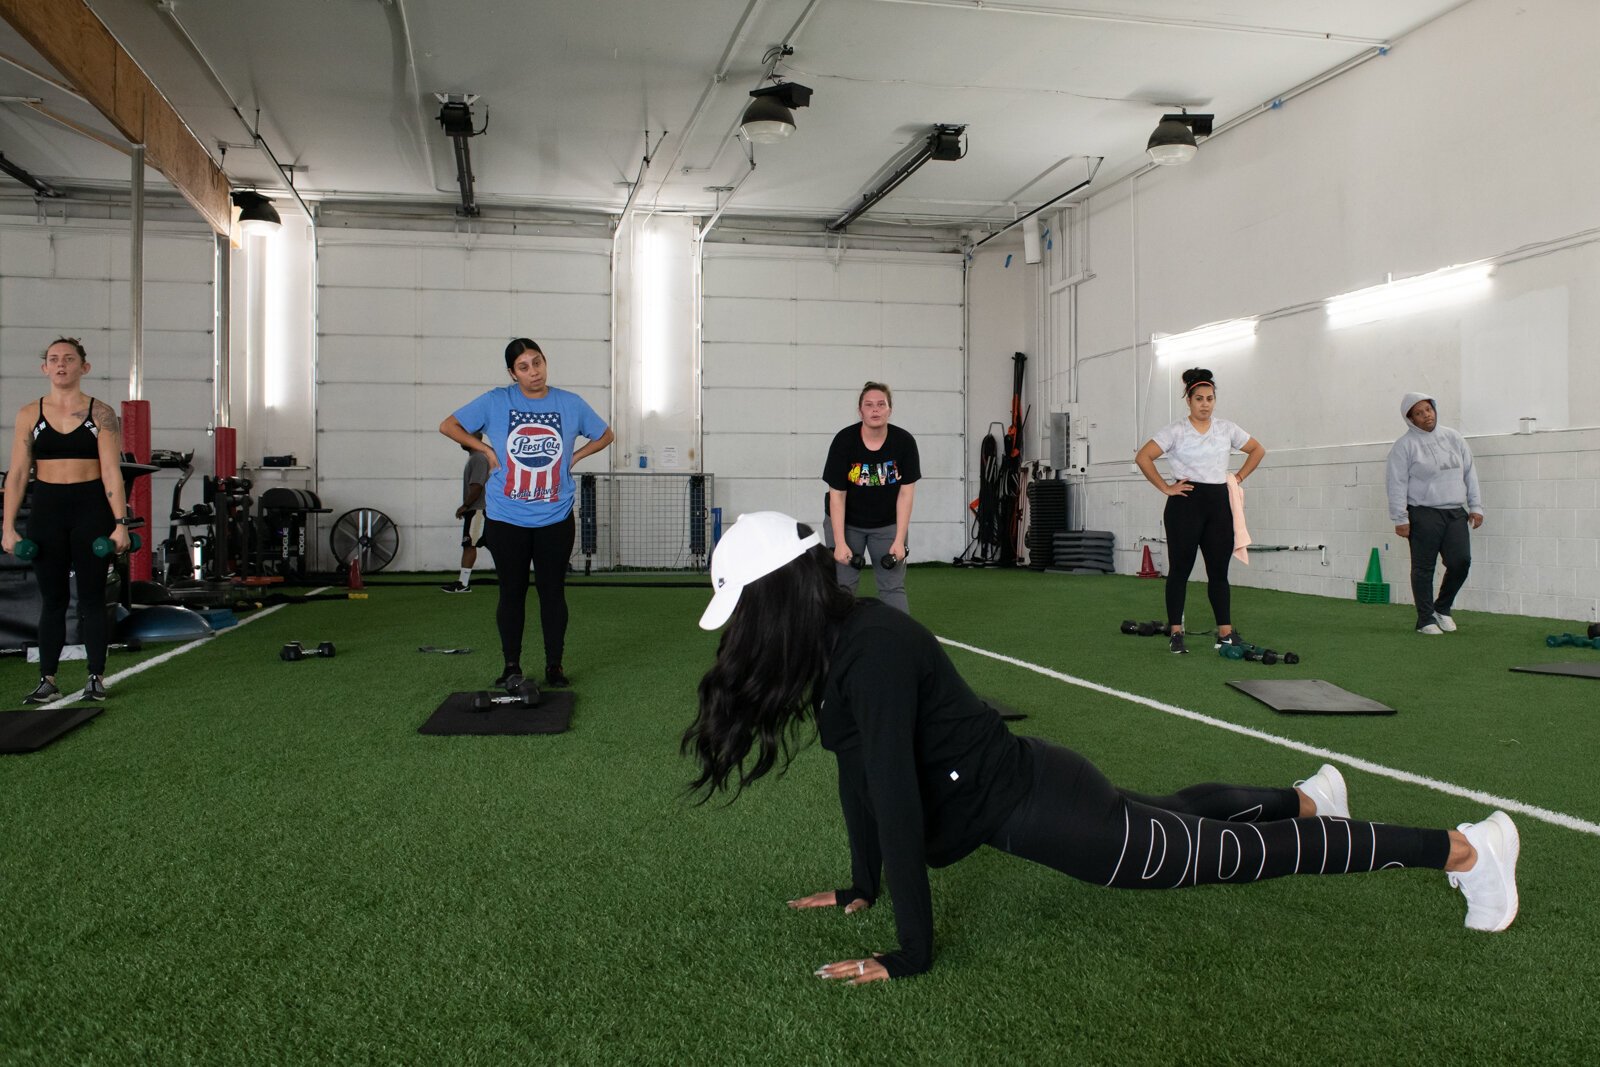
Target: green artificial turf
(245, 860)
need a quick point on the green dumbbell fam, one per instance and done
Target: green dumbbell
(26, 549)
(1230, 651)
(1560, 641)
(104, 547)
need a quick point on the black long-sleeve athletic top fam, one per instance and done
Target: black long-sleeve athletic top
(927, 771)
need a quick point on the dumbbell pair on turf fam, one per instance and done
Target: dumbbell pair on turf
(1574, 641)
(1143, 629)
(294, 650)
(1257, 654)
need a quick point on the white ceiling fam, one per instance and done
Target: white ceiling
(344, 90)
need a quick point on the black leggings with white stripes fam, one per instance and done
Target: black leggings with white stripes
(1077, 822)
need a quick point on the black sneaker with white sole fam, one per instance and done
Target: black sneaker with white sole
(94, 688)
(512, 671)
(1232, 639)
(1175, 642)
(44, 693)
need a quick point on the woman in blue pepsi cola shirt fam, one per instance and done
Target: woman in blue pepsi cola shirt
(530, 431)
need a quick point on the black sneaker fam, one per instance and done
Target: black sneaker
(512, 671)
(1232, 639)
(555, 677)
(456, 587)
(95, 688)
(1175, 642)
(44, 694)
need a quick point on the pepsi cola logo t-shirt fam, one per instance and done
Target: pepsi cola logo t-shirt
(534, 440)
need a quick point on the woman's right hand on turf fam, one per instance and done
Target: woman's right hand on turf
(1179, 488)
(829, 899)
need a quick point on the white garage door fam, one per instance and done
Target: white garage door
(71, 278)
(413, 325)
(790, 335)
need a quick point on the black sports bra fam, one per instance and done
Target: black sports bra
(51, 443)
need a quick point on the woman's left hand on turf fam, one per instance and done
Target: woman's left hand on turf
(857, 972)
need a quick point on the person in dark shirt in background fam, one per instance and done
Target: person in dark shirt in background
(872, 472)
(474, 475)
(928, 772)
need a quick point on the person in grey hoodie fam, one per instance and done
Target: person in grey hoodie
(1433, 499)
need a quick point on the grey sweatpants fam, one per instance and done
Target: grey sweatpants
(874, 544)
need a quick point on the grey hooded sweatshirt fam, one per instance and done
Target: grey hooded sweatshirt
(1430, 469)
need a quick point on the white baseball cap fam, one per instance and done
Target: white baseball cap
(753, 547)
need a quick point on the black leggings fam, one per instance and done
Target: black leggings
(64, 523)
(547, 549)
(1078, 823)
(1203, 520)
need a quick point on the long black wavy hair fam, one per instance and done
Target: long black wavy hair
(773, 656)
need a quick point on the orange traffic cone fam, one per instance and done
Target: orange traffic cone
(1147, 567)
(353, 579)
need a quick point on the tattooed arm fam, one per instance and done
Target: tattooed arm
(105, 417)
(17, 478)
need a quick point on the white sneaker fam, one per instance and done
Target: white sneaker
(1327, 791)
(1446, 623)
(1491, 885)
(1432, 630)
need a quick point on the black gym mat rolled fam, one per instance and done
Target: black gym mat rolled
(1309, 696)
(1569, 670)
(31, 729)
(457, 716)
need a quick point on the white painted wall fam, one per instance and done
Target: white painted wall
(791, 334)
(1457, 146)
(69, 276)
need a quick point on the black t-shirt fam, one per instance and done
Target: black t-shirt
(927, 770)
(871, 479)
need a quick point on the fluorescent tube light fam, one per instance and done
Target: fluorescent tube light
(1233, 333)
(1408, 295)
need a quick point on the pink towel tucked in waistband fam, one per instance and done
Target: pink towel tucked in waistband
(1241, 536)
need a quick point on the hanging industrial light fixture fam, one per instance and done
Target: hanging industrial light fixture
(256, 213)
(768, 118)
(1173, 141)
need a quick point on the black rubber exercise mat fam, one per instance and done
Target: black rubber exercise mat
(1309, 696)
(1570, 670)
(34, 728)
(456, 716)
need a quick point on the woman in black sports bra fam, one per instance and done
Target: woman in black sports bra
(78, 496)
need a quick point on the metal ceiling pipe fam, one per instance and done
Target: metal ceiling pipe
(1021, 218)
(166, 10)
(39, 187)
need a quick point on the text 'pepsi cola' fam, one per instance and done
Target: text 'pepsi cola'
(534, 454)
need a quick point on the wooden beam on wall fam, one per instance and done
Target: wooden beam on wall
(74, 41)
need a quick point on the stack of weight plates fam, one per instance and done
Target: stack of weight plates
(1084, 552)
(1047, 520)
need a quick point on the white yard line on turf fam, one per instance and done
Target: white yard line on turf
(155, 661)
(1571, 822)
